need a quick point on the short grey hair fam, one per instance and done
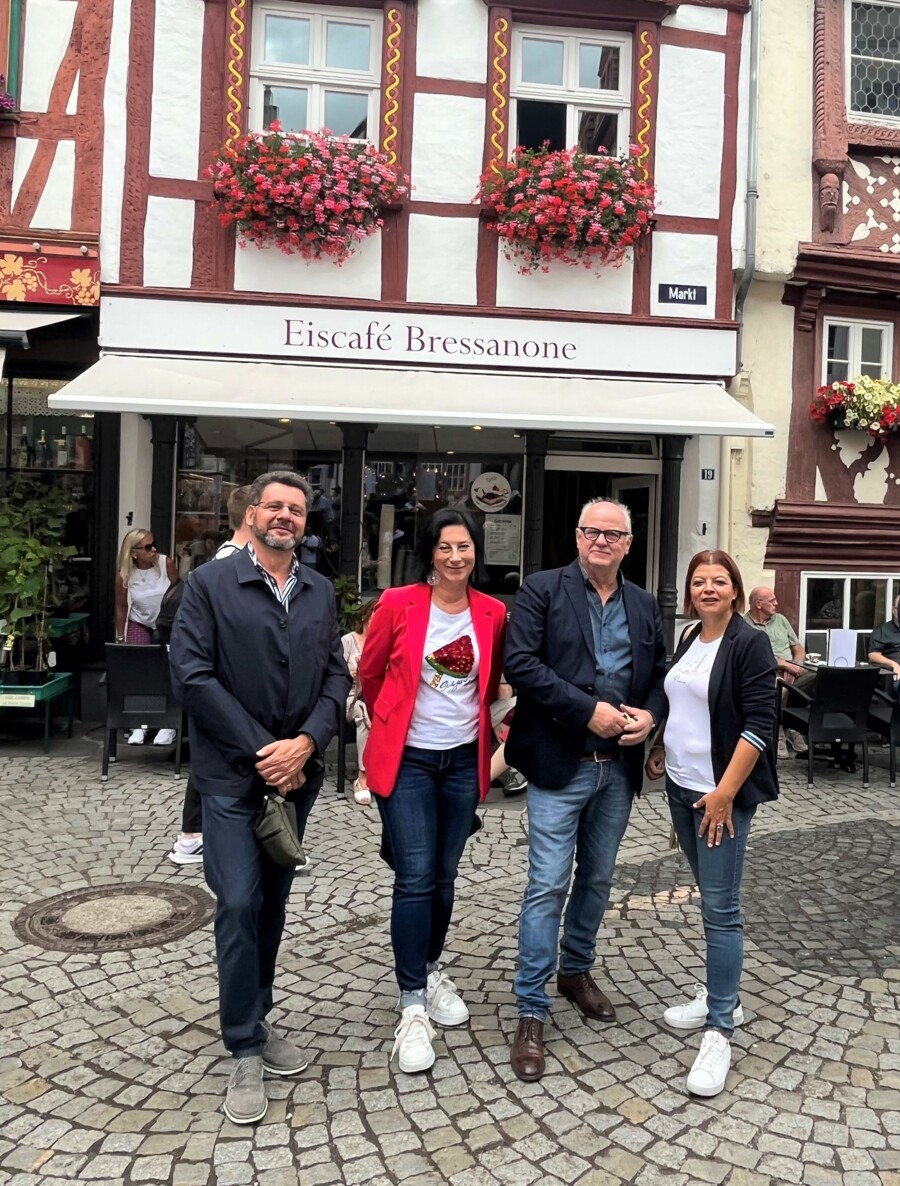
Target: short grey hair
(612, 502)
(283, 477)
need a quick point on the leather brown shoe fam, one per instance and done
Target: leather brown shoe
(527, 1053)
(580, 988)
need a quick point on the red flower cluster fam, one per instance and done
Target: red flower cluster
(567, 206)
(867, 404)
(829, 403)
(309, 193)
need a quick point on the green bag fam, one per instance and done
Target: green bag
(276, 831)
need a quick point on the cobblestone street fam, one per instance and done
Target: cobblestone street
(111, 1071)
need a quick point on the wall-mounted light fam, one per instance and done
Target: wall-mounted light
(284, 419)
(450, 452)
(516, 436)
(476, 428)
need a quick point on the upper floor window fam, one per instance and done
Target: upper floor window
(572, 89)
(874, 58)
(856, 348)
(315, 67)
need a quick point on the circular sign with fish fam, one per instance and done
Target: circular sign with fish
(490, 492)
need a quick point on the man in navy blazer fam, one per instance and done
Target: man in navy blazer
(585, 653)
(256, 662)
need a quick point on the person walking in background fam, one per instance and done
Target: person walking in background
(718, 756)
(429, 673)
(788, 651)
(357, 713)
(586, 655)
(256, 662)
(142, 578)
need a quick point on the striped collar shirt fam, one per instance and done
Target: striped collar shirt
(283, 595)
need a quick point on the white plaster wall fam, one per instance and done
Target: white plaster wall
(23, 156)
(72, 105)
(443, 253)
(685, 260)
(451, 39)
(136, 458)
(786, 123)
(175, 119)
(54, 210)
(268, 270)
(114, 127)
(168, 242)
(689, 131)
(48, 26)
(565, 287)
(698, 20)
(448, 142)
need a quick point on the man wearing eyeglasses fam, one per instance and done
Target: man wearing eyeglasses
(257, 663)
(585, 653)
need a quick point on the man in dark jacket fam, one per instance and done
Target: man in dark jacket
(585, 653)
(257, 664)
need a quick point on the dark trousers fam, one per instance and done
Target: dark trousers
(192, 811)
(251, 896)
(428, 817)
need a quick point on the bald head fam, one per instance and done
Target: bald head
(763, 603)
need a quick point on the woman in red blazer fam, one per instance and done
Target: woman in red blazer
(429, 673)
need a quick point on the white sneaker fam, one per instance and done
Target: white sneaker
(710, 1070)
(442, 1002)
(187, 852)
(164, 737)
(137, 736)
(693, 1015)
(413, 1040)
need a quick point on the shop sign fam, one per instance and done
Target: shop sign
(682, 294)
(49, 276)
(490, 492)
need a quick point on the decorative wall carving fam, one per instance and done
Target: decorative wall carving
(235, 91)
(393, 53)
(497, 147)
(871, 203)
(645, 102)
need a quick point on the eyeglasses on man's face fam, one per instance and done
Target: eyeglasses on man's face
(592, 534)
(144, 548)
(273, 508)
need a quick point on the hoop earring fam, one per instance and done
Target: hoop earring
(432, 579)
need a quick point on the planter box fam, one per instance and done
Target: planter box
(25, 679)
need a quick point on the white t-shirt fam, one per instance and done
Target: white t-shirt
(446, 711)
(227, 549)
(688, 738)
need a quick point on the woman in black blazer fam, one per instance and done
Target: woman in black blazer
(719, 762)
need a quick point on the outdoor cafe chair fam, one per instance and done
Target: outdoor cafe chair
(138, 695)
(884, 719)
(835, 711)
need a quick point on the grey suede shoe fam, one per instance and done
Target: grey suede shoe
(245, 1099)
(281, 1057)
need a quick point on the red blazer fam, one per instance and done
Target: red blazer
(390, 669)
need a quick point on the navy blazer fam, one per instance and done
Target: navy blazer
(248, 672)
(549, 660)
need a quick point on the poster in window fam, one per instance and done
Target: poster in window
(502, 540)
(490, 492)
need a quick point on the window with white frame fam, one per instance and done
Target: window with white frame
(844, 601)
(314, 67)
(571, 88)
(873, 58)
(854, 348)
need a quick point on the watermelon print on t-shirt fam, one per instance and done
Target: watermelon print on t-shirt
(453, 665)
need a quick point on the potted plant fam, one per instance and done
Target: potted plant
(566, 205)
(347, 600)
(308, 193)
(32, 520)
(870, 405)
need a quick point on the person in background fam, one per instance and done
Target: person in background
(188, 846)
(357, 713)
(510, 780)
(884, 645)
(787, 649)
(429, 673)
(142, 578)
(718, 756)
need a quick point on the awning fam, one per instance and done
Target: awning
(152, 384)
(20, 321)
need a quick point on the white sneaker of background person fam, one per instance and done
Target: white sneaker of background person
(187, 850)
(692, 1016)
(137, 736)
(164, 737)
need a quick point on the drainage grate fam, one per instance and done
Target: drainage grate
(115, 917)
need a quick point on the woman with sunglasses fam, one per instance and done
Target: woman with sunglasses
(142, 577)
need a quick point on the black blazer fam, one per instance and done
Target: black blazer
(549, 660)
(742, 695)
(248, 672)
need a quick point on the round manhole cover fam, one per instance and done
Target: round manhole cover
(109, 918)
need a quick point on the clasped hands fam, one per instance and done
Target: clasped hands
(629, 726)
(281, 763)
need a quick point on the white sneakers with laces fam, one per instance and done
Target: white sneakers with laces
(442, 1002)
(412, 1040)
(710, 1070)
(693, 1015)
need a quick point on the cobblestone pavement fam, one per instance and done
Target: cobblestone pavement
(111, 1071)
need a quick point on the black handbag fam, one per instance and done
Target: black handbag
(276, 831)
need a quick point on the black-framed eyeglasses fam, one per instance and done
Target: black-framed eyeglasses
(144, 548)
(592, 534)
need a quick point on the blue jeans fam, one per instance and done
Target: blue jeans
(427, 817)
(718, 873)
(582, 823)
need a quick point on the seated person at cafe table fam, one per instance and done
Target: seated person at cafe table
(884, 644)
(787, 649)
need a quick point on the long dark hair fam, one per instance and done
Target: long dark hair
(430, 537)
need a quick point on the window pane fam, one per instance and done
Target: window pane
(839, 342)
(598, 131)
(540, 122)
(868, 600)
(542, 61)
(871, 345)
(837, 372)
(347, 47)
(875, 31)
(346, 114)
(871, 369)
(824, 604)
(875, 87)
(287, 103)
(287, 40)
(598, 67)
